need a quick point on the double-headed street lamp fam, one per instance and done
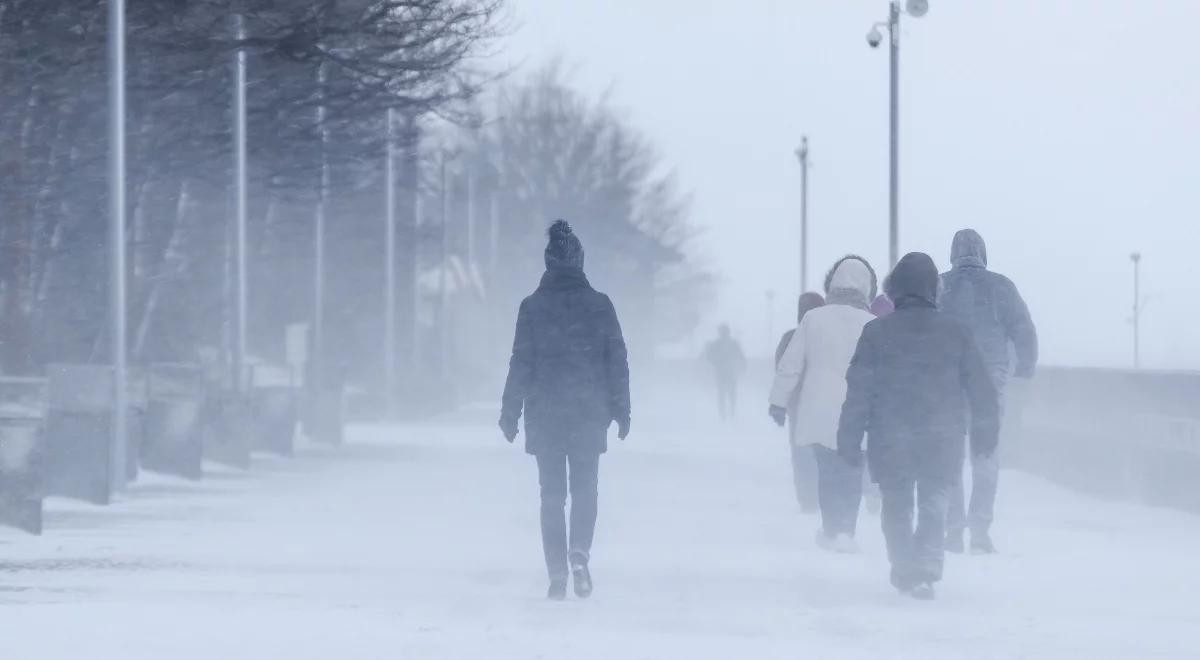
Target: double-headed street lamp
(916, 9)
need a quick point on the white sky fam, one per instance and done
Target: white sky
(1066, 132)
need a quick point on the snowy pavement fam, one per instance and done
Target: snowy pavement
(421, 542)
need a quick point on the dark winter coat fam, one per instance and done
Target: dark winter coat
(569, 370)
(915, 376)
(990, 306)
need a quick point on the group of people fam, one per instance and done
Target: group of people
(915, 371)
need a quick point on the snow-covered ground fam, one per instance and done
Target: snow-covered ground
(421, 541)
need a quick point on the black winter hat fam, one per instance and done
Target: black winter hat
(563, 250)
(916, 276)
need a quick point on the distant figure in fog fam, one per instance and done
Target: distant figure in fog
(570, 373)
(813, 372)
(915, 379)
(729, 363)
(991, 307)
(804, 465)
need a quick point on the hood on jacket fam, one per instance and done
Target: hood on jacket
(968, 250)
(563, 248)
(851, 277)
(914, 281)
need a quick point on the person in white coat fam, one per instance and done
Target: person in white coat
(810, 387)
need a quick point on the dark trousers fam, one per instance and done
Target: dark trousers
(582, 485)
(839, 490)
(916, 554)
(804, 476)
(726, 397)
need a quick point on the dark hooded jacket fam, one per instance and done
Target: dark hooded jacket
(991, 307)
(915, 376)
(569, 370)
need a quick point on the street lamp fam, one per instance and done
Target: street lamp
(802, 155)
(916, 9)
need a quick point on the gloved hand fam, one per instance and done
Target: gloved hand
(852, 457)
(779, 414)
(623, 428)
(1023, 371)
(509, 428)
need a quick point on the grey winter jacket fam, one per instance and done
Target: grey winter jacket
(915, 376)
(990, 306)
(569, 370)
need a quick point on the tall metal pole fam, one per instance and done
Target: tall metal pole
(116, 194)
(802, 154)
(318, 349)
(894, 126)
(443, 279)
(1137, 310)
(389, 270)
(240, 248)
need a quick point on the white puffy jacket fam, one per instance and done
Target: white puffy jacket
(810, 380)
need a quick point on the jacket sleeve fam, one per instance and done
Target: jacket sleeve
(617, 364)
(856, 409)
(982, 398)
(1014, 315)
(520, 367)
(790, 369)
(783, 344)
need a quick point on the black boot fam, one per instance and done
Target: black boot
(558, 589)
(981, 544)
(581, 575)
(922, 591)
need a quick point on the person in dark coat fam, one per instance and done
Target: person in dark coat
(915, 379)
(569, 372)
(804, 464)
(728, 362)
(990, 306)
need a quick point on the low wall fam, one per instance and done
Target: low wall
(1124, 434)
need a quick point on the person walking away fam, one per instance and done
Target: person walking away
(728, 362)
(569, 373)
(804, 466)
(990, 306)
(813, 368)
(915, 378)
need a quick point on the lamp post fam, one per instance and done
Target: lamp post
(389, 270)
(916, 9)
(240, 247)
(116, 222)
(802, 155)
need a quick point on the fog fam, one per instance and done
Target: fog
(469, 329)
(1064, 132)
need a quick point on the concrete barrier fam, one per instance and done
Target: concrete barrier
(22, 452)
(1125, 434)
(79, 442)
(275, 398)
(175, 400)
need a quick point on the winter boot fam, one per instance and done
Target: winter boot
(845, 544)
(954, 541)
(581, 575)
(981, 544)
(922, 591)
(825, 541)
(558, 589)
